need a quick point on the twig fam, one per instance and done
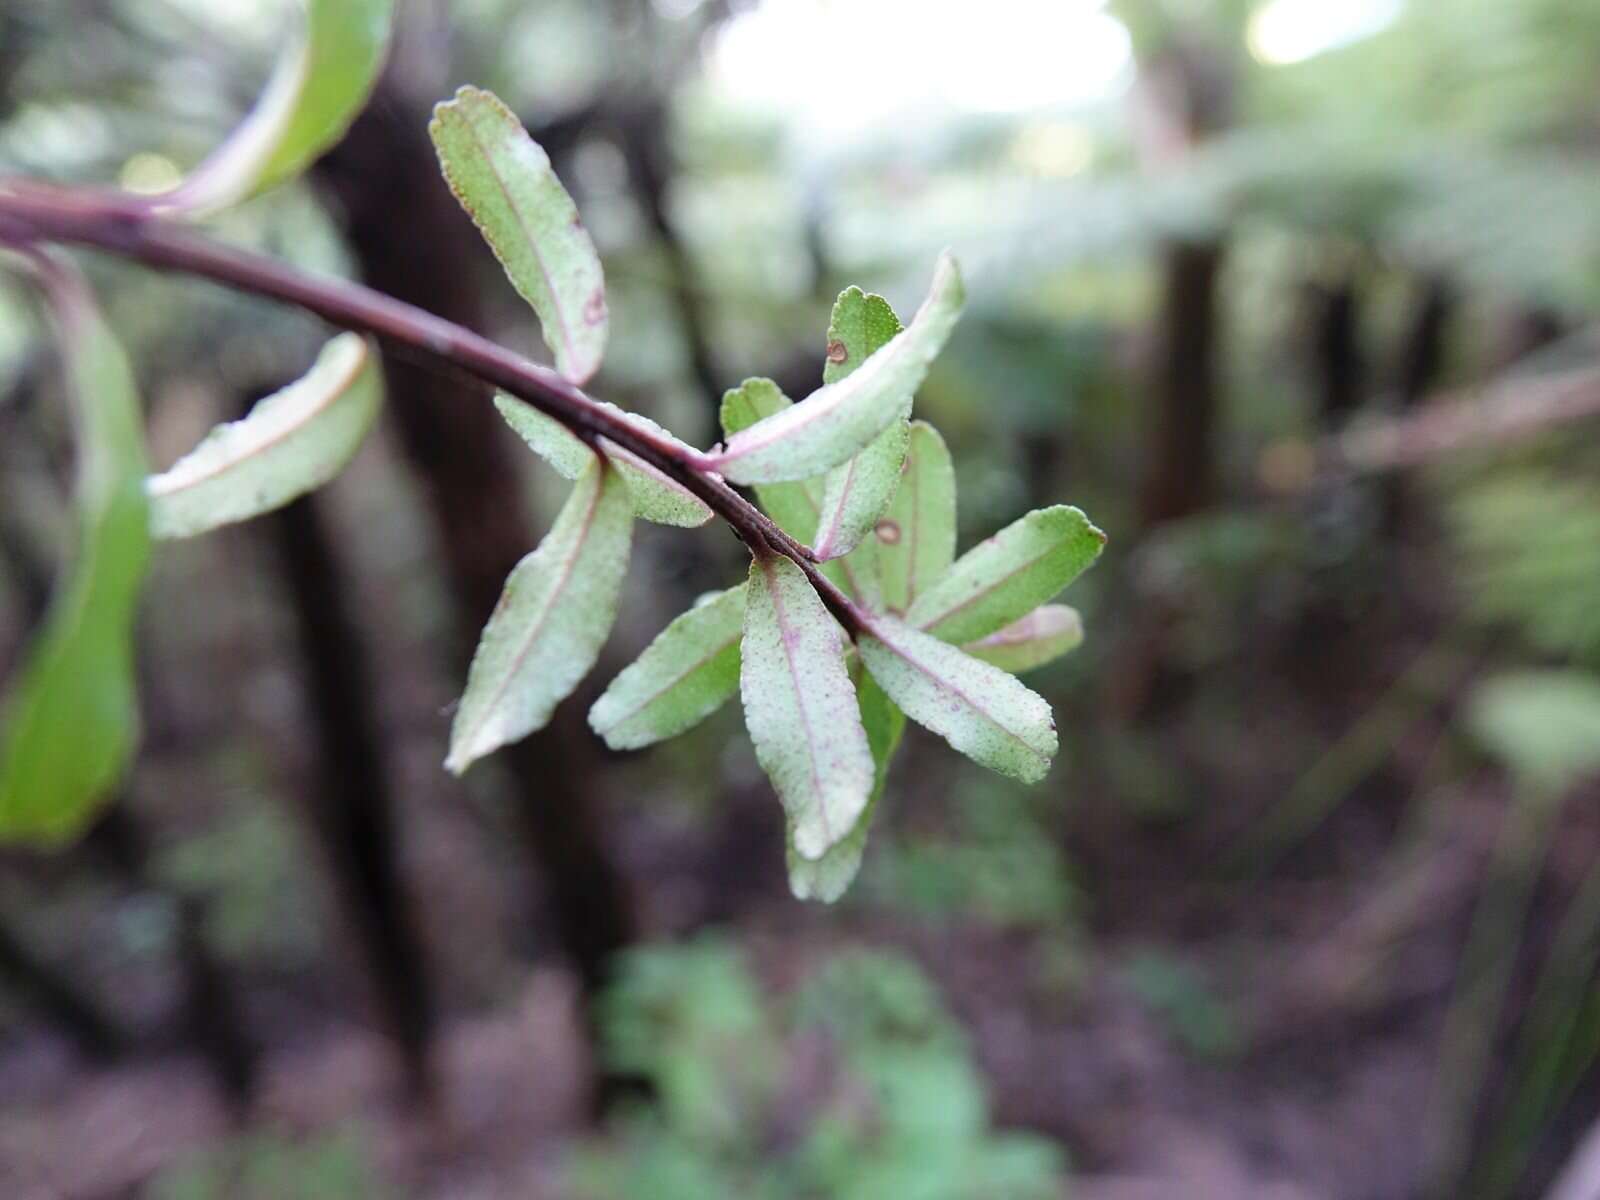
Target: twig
(31, 213)
(1508, 411)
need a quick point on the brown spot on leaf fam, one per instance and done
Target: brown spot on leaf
(595, 310)
(837, 352)
(888, 531)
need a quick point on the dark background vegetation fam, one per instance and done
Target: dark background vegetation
(1308, 908)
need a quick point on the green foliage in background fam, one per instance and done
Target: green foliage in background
(273, 1166)
(859, 1085)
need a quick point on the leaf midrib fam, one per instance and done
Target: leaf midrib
(927, 625)
(799, 700)
(968, 700)
(563, 580)
(334, 395)
(522, 223)
(689, 670)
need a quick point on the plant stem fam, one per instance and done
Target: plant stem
(123, 225)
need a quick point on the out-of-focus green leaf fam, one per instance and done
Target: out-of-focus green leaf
(800, 708)
(655, 497)
(291, 443)
(1545, 725)
(916, 537)
(71, 723)
(1041, 637)
(1008, 575)
(857, 492)
(557, 610)
(504, 180)
(838, 420)
(980, 710)
(685, 675)
(829, 877)
(319, 86)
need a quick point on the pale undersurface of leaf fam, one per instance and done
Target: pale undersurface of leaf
(838, 420)
(980, 710)
(857, 492)
(655, 497)
(71, 724)
(291, 443)
(796, 506)
(504, 180)
(320, 84)
(916, 536)
(1008, 575)
(557, 610)
(1041, 637)
(685, 675)
(829, 877)
(800, 708)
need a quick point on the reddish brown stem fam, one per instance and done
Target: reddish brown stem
(32, 213)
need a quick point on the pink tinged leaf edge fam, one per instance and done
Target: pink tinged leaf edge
(577, 359)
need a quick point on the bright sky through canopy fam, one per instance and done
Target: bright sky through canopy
(838, 67)
(1291, 31)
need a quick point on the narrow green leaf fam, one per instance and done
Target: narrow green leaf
(980, 710)
(800, 708)
(655, 497)
(858, 491)
(72, 723)
(557, 610)
(1008, 575)
(685, 675)
(829, 877)
(504, 180)
(916, 536)
(839, 419)
(1041, 637)
(291, 443)
(318, 88)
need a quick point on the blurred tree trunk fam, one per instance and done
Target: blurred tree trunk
(1186, 88)
(1180, 479)
(1420, 364)
(1338, 365)
(1422, 353)
(645, 138)
(210, 1004)
(350, 808)
(1184, 98)
(413, 242)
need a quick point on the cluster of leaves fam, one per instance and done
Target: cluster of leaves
(892, 1103)
(860, 504)
(71, 723)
